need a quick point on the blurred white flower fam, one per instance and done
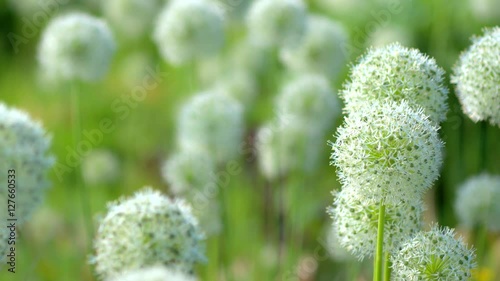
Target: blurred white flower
(212, 122)
(277, 23)
(132, 19)
(100, 166)
(188, 30)
(153, 273)
(477, 202)
(24, 146)
(477, 78)
(145, 230)
(76, 46)
(320, 50)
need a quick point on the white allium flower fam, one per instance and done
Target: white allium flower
(100, 166)
(286, 147)
(477, 202)
(355, 221)
(395, 73)
(153, 273)
(76, 46)
(240, 85)
(309, 97)
(133, 19)
(212, 122)
(277, 23)
(477, 78)
(433, 255)
(145, 230)
(388, 151)
(188, 170)
(321, 49)
(188, 30)
(24, 146)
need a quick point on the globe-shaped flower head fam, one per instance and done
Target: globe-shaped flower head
(321, 49)
(188, 30)
(477, 78)
(477, 202)
(24, 148)
(310, 98)
(396, 73)
(154, 273)
(355, 222)
(132, 19)
(433, 255)
(277, 23)
(146, 230)
(76, 46)
(388, 151)
(211, 122)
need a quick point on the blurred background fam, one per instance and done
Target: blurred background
(56, 243)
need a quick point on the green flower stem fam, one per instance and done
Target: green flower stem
(483, 146)
(387, 267)
(481, 239)
(377, 274)
(76, 123)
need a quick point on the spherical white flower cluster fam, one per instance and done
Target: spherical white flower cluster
(145, 230)
(355, 222)
(277, 23)
(433, 255)
(100, 166)
(211, 122)
(477, 202)
(24, 148)
(396, 73)
(76, 46)
(321, 49)
(131, 18)
(477, 78)
(292, 146)
(188, 30)
(388, 151)
(153, 273)
(186, 171)
(311, 99)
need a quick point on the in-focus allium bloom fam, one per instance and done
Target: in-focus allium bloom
(145, 230)
(321, 49)
(277, 23)
(240, 85)
(76, 46)
(355, 221)
(477, 202)
(477, 78)
(388, 151)
(433, 255)
(24, 148)
(188, 170)
(131, 18)
(395, 73)
(188, 30)
(212, 122)
(100, 166)
(310, 98)
(153, 273)
(290, 146)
